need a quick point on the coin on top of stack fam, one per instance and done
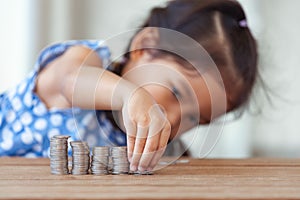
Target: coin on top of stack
(59, 154)
(120, 164)
(100, 158)
(80, 158)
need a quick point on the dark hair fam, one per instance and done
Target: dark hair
(216, 25)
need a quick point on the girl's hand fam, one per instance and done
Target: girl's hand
(148, 130)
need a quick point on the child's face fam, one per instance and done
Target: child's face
(184, 97)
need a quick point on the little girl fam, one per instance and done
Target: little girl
(160, 90)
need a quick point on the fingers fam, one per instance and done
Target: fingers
(150, 148)
(130, 146)
(155, 146)
(140, 141)
(162, 145)
(147, 137)
(130, 127)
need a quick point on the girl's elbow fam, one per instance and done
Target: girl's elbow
(67, 87)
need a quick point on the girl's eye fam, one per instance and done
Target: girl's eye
(193, 119)
(176, 92)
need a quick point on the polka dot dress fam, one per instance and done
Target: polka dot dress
(26, 125)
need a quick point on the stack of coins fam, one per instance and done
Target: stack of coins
(109, 163)
(59, 154)
(80, 158)
(120, 164)
(100, 158)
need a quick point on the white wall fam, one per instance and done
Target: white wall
(15, 30)
(277, 131)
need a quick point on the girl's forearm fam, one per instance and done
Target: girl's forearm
(96, 88)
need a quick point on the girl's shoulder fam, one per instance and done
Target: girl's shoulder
(59, 67)
(55, 50)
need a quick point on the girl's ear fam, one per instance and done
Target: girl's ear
(144, 40)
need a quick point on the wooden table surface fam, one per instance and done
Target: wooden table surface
(260, 178)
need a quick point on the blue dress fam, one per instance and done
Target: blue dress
(26, 125)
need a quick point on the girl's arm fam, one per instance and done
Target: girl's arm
(77, 77)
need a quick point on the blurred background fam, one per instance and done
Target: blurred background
(269, 128)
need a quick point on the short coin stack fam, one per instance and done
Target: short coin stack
(100, 159)
(59, 154)
(120, 164)
(80, 158)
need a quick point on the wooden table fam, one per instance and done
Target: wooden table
(22, 178)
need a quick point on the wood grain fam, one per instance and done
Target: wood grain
(262, 178)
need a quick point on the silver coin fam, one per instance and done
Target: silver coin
(141, 173)
(119, 160)
(100, 160)
(59, 155)
(80, 158)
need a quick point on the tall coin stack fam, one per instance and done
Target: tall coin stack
(59, 154)
(120, 164)
(100, 158)
(80, 158)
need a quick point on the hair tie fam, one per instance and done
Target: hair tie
(243, 23)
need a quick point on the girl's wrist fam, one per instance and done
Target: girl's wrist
(123, 91)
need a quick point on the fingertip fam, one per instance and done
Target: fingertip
(151, 166)
(133, 168)
(141, 169)
(150, 169)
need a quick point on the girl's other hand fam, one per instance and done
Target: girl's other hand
(148, 130)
